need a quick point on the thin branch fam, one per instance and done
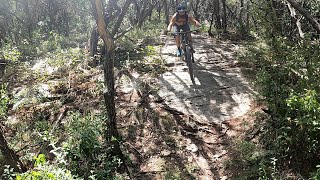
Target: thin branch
(121, 16)
(123, 33)
(315, 24)
(297, 21)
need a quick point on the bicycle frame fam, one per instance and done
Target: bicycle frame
(187, 52)
(184, 39)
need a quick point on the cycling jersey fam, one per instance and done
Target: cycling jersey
(182, 18)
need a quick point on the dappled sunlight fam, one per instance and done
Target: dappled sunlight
(42, 66)
(96, 90)
(215, 81)
(170, 120)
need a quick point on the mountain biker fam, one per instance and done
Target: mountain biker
(180, 20)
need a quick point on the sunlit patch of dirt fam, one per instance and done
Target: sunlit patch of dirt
(239, 127)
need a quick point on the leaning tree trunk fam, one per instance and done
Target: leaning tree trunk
(315, 24)
(119, 21)
(295, 19)
(109, 92)
(10, 156)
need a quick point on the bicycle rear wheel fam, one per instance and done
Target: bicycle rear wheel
(189, 62)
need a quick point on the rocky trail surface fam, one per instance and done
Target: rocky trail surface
(185, 129)
(220, 91)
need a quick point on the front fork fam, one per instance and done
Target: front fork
(183, 43)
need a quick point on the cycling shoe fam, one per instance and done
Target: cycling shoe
(179, 53)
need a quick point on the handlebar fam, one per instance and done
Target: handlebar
(185, 32)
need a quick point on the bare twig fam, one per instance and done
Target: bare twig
(223, 134)
(133, 148)
(28, 146)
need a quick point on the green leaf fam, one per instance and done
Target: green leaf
(40, 160)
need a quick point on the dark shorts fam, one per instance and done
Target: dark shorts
(176, 28)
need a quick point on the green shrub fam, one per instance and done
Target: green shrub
(85, 145)
(303, 124)
(4, 100)
(288, 79)
(44, 171)
(316, 175)
(11, 53)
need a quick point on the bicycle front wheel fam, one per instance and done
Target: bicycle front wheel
(189, 62)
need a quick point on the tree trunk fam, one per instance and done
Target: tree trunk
(216, 7)
(224, 17)
(248, 16)
(28, 18)
(10, 156)
(93, 44)
(166, 12)
(315, 24)
(243, 29)
(195, 7)
(51, 14)
(2, 66)
(276, 26)
(211, 23)
(109, 92)
(121, 16)
(145, 12)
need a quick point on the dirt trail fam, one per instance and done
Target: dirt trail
(220, 91)
(184, 130)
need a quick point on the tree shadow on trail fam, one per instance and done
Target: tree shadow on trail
(152, 143)
(165, 129)
(180, 132)
(217, 90)
(219, 94)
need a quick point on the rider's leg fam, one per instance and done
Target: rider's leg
(177, 40)
(178, 43)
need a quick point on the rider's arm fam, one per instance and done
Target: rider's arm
(194, 21)
(172, 22)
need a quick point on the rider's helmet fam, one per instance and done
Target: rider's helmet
(181, 8)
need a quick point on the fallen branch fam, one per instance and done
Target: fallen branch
(206, 130)
(172, 111)
(315, 24)
(133, 148)
(28, 146)
(223, 134)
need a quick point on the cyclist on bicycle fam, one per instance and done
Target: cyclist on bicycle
(180, 20)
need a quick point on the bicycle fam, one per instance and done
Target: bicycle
(189, 58)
